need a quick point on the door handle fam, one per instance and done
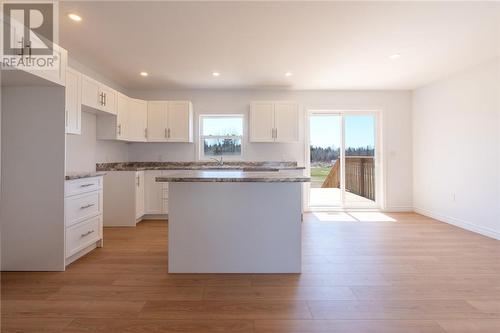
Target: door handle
(87, 233)
(87, 206)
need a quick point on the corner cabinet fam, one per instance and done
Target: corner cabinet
(170, 121)
(73, 102)
(272, 121)
(98, 96)
(137, 120)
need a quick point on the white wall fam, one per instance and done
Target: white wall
(456, 149)
(396, 116)
(84, 151)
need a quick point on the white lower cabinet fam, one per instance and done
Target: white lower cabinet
(83, 212)
(156, 194)
(132, 196)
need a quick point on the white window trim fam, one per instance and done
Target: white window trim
(201, 155)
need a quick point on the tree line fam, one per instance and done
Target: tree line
(331, 154)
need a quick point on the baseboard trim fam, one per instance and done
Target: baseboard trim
(397, 209)
(459, 223)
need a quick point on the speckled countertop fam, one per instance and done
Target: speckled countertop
(78, 175)
(229, 165)
(224, 176)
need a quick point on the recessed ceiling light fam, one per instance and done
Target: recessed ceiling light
(215, 74)
(75, 17)
(144, 73)
(288, 74)
(395, 56)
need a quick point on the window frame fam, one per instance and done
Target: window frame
(201, 137)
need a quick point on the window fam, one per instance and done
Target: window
(221, 135)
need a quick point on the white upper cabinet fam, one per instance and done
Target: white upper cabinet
(170, 121)
(98, 96)
(73, 102)
(286, 122)
(122, 111)
(90, 92)
(274, 122)
(180, 121)
(262, 122)
(108, 97)
(157, 121)
(137, 120)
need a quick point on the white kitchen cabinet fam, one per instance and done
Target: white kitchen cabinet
(90, 92)
(286, 122)
(137, 120)
(262, 122)
(139, 195)
(157, 121)
(83, 209)
(274, 121)
(170, 121)
(73, 102)
(114, 127)
(153, 197)
(124, 198)
(98, 96)
(57, 75)
(180, 121)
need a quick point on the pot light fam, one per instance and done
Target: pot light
(288, 74)
(144, 74)
(395, 56)
(75, 17)
(215, 74)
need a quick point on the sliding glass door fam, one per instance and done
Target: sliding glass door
(342, 153)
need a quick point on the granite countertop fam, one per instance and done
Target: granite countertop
(78, 175)
(224, 176)
(229, 165)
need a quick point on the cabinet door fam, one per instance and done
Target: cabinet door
(122, 111)
(261, 122)
(286, 122)
(108, 99)
(179, 121)
(90, 92)
(73, 103)
(139, 194)
(153, 192)
(137, 120)
(157, 121)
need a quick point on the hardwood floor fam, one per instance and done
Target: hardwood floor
(362, 272)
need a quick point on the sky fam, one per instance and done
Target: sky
(359, 131)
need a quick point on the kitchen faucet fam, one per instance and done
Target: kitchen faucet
(219, 162)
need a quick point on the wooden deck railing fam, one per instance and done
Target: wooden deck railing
(359, 176)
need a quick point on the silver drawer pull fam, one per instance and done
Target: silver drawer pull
(87, 233)
(87, 206)
(86, 185)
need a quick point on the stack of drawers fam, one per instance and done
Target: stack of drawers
(83, 216)
(164, 198)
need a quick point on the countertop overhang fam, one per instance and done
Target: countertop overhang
(234, 177)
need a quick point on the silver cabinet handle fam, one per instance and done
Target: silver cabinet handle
(145, 132)
(87, 233)
(275, 133)
(119, 129)
(22, 47)
(86, 185)
(165, 133)
(169, 132)
(105, 98)
(87, 206)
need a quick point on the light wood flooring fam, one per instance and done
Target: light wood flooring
(362, 272)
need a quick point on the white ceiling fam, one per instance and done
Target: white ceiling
(326, 45)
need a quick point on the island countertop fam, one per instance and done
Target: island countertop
(234, 176)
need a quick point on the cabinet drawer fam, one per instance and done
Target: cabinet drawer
(82, 235)
(81, 207)
(83, 185)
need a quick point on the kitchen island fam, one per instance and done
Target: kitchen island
(234, 221)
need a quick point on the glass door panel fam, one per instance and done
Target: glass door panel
(359, 155)
(325, 156)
